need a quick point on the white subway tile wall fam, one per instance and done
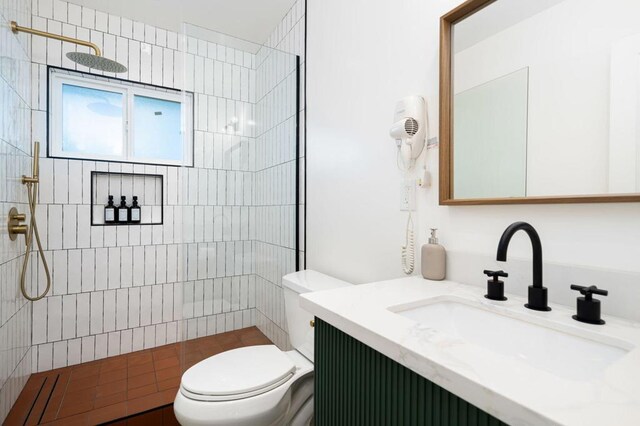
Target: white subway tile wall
(228, 232)
(15, 161)
(276, 168)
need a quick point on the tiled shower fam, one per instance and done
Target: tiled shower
(230, 223)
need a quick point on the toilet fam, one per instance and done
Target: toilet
(258, 385)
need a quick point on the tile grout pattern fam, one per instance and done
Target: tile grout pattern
(230, 213)
(121, 386)
(15, 160)
(287, 38)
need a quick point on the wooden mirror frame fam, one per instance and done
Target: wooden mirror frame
(466, 9)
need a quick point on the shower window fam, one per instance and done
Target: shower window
(98, 118)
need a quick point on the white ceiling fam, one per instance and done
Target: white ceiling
(251, 20)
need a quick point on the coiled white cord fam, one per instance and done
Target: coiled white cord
(408, 250)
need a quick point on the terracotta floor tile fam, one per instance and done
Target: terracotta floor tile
(83, 383)
(77, 402)
(111, 388)
(114, 363)
(249, 333)
(138, 358)
(141, 380)
(165, 352)
(206, 343)
(211, 351)
(138, 369)
(116, 387)
(228, 337)
(35, 381)
(77, 420)
(166, 363)
(189, 347)
(232, 345)
(40, 403)
(56, 398)
(22, 407)
(168, 396)
(168, 373)
(172, 383)
(254, 341)
(108, 413)
(112, 376)
(85, 370)
(145, 403)
(142, 391)
(111, 399)
(193, 358)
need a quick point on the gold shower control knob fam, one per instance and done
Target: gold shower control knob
(312, 323)
(14, 224)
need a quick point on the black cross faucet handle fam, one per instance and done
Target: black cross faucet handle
(495, 274)
(588, 292)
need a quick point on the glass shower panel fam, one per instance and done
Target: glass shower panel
(239, 200)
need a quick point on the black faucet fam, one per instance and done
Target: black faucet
(537, 293)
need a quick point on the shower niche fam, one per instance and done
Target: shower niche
(147, 188)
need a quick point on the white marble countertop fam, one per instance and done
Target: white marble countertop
(507, 388)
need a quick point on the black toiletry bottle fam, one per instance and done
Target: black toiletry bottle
(110, 211)
(134, 211)
(123, 210)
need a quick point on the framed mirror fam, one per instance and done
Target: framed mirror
(540, 102)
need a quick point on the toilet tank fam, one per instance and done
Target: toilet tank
(298, 320)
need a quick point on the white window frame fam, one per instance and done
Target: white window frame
(128, 90)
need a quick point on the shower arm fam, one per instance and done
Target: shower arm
(18, 29)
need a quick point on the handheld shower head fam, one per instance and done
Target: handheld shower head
(35, 173)
(36, 160)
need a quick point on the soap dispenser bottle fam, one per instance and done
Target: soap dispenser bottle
(110, 211)
(134, 211)
(433, 259)
(123, 210)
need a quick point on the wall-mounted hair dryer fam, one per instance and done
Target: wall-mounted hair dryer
(410, 128)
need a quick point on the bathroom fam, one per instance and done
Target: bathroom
(253, 166)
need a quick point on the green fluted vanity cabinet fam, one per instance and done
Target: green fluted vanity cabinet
(356, 385)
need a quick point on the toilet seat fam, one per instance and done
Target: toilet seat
(238, 374)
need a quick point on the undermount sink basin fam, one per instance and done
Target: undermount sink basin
(542, 347)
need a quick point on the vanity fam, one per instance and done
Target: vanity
(539, 104)
(412, 351)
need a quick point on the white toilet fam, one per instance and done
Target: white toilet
(258, 385)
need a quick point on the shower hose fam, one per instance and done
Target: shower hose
(32, 189)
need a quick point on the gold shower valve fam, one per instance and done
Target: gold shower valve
(14, 225)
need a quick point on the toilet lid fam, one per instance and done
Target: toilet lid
(238, 371)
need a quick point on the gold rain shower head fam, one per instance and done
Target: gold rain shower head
(96, 61)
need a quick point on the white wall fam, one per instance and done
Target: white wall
(363, 57)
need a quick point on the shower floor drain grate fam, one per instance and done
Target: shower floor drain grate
(37, 402)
